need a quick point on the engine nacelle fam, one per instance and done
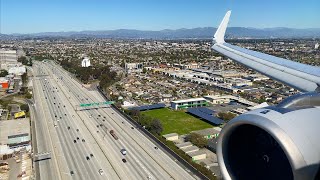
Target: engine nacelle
(272, 143)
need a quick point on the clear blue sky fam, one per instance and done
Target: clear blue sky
(29, 16)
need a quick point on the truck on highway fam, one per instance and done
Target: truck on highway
(114, 134)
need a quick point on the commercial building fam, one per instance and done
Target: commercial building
(171, 136)
(184, 145)
(17, 70)
(85, 62)
(238, 82)
(218, 99)
(197, 155)
(257, 77)
(208, 133)
(190, 149)
(7, 57)
(133, 67)
(186, 103)
(4, 83)
(15, 133)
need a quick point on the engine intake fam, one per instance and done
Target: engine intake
(271, 143)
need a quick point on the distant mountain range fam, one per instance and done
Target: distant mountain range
(195, 33)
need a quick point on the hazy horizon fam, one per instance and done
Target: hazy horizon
(35, 16)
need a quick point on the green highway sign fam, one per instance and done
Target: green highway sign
(97, 104)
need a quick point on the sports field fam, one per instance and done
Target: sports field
(177, 121)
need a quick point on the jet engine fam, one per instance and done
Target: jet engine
(276, 142)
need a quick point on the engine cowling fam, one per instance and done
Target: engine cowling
(271, 143)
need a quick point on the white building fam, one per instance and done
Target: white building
(316, 46)
(8, 57)
(133, 67)
(257, 77)
(186, 103)
(171, 136)
(238, 82)
(197, 155)
(85, 62)
(17, 70)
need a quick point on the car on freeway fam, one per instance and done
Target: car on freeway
(78, 138)
(83, 140)
(72, 173)
(87, 158)
(124, 160)
(74, 141)
(77, 130)
(101, 172)
(91, 155)
(123, 151)
(68, 127)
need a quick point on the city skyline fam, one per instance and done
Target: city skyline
(57, 16)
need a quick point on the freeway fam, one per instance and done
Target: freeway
(62, 95)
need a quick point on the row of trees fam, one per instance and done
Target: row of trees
(85, 74)
(153, 125)
(3, 73)
(25, 61)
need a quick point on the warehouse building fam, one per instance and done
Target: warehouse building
(197, 155)
(186, 103)
(184, 145)
(15, 133)
(190, 149)
(209, 133)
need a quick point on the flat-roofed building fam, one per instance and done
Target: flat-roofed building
(15, 132)
(184, 145)
(239, 82)
(197, 155)
(186, 103)
(171, 136)
(208, 133)
(190, 149)
(7, 58)
(257, 77)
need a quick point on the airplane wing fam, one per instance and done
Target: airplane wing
(303, 77)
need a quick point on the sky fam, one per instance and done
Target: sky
(32, 16)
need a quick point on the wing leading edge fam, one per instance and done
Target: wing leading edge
(303, 77)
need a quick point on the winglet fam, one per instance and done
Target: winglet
(219, 35)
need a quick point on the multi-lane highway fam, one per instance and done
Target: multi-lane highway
(81, 145)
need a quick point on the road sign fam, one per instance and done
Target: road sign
(97, 104)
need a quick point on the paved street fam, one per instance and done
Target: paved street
(80, 141)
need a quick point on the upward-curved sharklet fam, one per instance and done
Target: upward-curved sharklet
(219, 35)
(303, 77)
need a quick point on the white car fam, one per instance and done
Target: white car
(123, 151)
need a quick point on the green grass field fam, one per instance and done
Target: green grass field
(177, 121)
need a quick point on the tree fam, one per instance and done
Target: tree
(197, 140)
(24, 107)
(226, 115)
(144, 70)
(3, 73)
(134, 113)
(156, 126)
(25, 61)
